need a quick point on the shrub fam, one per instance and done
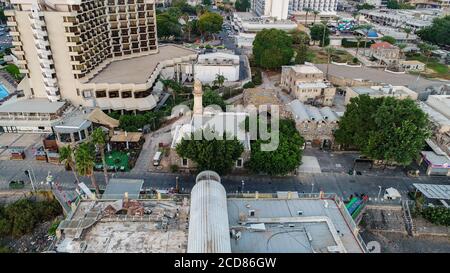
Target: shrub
(53, 227)
(437, 215)
(257, 77)
(249, 85)
(174, 168)
(355, 60)
(22, 216)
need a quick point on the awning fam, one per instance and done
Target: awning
(126, 137)
(434, 191)
(117, 188)
(97, 116)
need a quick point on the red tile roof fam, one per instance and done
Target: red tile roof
(382, 45)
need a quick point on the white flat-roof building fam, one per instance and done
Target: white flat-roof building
(209, 65)
(399, 92)
(250, 22)
(400, 18)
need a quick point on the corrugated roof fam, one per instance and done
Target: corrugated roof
(208, 222)
(42, 106)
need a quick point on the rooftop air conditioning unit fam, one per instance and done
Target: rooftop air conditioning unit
(251, 213)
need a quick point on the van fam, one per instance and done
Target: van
(157, 158)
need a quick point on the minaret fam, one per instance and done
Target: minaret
(198, 95)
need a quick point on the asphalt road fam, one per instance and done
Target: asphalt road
(342, 184)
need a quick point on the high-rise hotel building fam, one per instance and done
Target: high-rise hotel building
(90, 52)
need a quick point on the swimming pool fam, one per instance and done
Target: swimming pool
(3, 92)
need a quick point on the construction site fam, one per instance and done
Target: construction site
(125, 226)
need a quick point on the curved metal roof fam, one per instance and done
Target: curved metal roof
(208, 224)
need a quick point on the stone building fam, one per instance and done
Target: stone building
(209, 119)
(316, 125)
(308, 84)
(385, 53)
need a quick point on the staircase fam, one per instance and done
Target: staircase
(410, 227)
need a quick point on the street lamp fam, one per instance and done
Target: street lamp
(312, 187)
(50, 179)
(242, 186)
(379, 192)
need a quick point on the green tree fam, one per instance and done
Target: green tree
(393, 4)
(365, 28)
(317, 34)
(207, 2)
(216, 155)
(100, 139)
(211, 97)
(210, 23)
(66, 156)
(438, 33)
(384, 128)
(167, 25)
(307, 10)
(389, 39)
(364, 6)
(242, 5)
(272, 48)
(427, 49)
(2, 16)
(220, 80)
(301, 54)
(85, 162)
(285, 159)
(299, 37)
(315, 12)
(408, 31)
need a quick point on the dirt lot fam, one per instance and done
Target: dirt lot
(400, 243)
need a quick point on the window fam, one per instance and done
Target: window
(100, 94)
(239, 163)
(184, 162)
(114, 94)
(41, 127)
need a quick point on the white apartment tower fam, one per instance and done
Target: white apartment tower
(280, 9)
(61, 44)
(323, 6)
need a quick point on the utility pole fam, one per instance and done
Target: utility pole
(28, 173)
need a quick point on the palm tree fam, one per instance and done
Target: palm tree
(66, 155)
(306, 18)
(187, 27)
(99, 138)
(220, 79)
(325, 26)
(407, 30)
(365, 29)
(330, 50)
(315, 15)
(358, 40)
(85, 162)
(401, 47)
(427, 49)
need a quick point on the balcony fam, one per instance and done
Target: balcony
(11, 23)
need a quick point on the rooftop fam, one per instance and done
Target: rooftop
(73, 121)
(434, 115)
(384, 45)
(296, 225)
(440, 103)
(139, 69)
(41, 106)
(117, 187)
(259, 96)
(312, 85)
(144, 226)
(218, 57)
(381, 77)
(302, 112)
(433, 191)
(305, 69)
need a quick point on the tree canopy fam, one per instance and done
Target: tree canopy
(211, 97)
(210, 23)
(285, 159)
(216, 155)
(316, 32)
(168, 25)
(384, 128)
(272, 48)
(242, 5)
(389, 39)
(438, 33)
